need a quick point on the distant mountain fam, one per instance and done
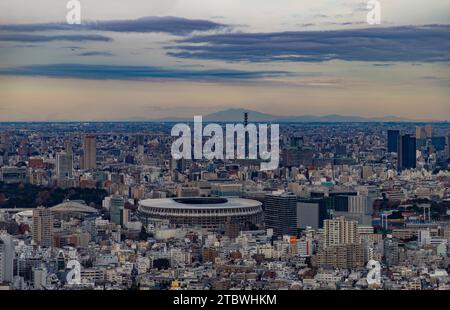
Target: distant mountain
(237, 115)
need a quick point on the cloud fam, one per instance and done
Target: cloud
(166, 24)
(111, 72)
(96, 53)
(49, 38)
(383, 65)
(391, 44)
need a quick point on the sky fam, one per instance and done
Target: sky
(151, 59)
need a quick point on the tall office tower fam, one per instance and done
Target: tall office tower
(340, 231)
(281, 213)
(406, 158)
(117, 204)
(43, 227)
(89, 161)
(6, 258)
(391, 254)
(64, 165)
(392, 144)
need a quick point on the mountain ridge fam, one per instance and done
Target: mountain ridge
(237, 115)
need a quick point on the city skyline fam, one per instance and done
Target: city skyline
(159, 59)
(100, 206)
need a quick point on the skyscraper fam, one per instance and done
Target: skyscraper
(281, 213)
(392, 137)
(89, 160)
(43, 227)
(64, 165)
(406, 158)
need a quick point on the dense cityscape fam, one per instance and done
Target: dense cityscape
(101, 205)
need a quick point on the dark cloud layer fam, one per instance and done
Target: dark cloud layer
(96, 53)
(403, 44)
(110, 72)
(167, 24)
(49, 38)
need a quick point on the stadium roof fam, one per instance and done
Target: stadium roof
(73, 206)
(199, 203)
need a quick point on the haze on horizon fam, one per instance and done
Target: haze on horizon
(157, 59)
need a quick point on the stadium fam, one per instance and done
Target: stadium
(206, 212)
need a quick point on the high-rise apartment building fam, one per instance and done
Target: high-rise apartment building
(281, 213)
(345, 256)
(341, 245)
(43, 227)
(89, 160)
(340, 231)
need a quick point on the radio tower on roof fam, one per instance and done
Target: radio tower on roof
(246, 135)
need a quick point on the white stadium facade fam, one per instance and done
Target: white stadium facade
(206, 212)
